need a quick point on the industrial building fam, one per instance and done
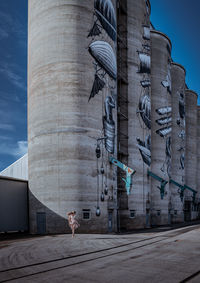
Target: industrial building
(112, 127)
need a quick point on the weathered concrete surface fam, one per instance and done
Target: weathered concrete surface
(178, 142)
(154, 256)
(62, 125)
(138, 16)
(198, 151)
(191, 145)
(160, 97)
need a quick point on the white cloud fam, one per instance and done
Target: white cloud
(22, 148)
(6, 127)
(16, 150)
(13, 76)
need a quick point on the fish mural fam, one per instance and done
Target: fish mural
(104, 55)
(145, 83)
(167, 82)
(144, 108)
(145, 149)
(109, 124)
(105, 13)
(146, 32)
(164, 131)
(168, 156)
(145, 63)
(164, 110)
(182, 161)
(181, 106)
(164, 120)
(98, 85)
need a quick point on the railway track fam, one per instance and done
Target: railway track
(26, 271)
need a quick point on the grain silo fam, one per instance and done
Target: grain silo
(191, 153)
(198, 154)
(178, 142)
(137, 128)
(161, 118)
(71, 59)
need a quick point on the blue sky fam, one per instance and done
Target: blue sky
(179, 19)
(13, 72)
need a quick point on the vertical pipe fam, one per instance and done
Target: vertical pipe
(161, 128)
(178, 140)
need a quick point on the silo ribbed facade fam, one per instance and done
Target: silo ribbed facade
(138, 60)
(161, 127)
(178, 141)
(191, 151)
(198, 154)
(62, 125)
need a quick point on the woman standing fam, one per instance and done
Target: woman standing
(73, 223)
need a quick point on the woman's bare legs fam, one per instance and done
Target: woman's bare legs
(73, 232)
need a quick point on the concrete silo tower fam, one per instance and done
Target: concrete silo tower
(198, 153)
(62, 125)
(137, 126)
(161, 118)
(178, 142)
(191, 151)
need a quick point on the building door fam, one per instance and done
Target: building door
(110, 214)
(147, 218)
(187, 210)
(41, 223)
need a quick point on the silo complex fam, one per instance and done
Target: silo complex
(160, 169)
(178, 142)
(63, 127)
(138, 65)
(191, 151)
(104, 93)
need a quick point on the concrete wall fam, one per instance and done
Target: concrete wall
(138, 16)
(19, 169)
(198, 154)
(62, 125)
(191, 147)
(160, 97)
(178, 140)
(191, 139)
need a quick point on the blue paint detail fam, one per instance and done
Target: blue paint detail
(163, 183)
(128, 170)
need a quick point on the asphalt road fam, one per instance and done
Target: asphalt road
(159, 255)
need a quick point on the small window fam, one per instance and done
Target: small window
(86, 214)
(132, 213)
(175, 212)
(158, 212)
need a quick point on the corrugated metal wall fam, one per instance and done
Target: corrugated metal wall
(13, 205)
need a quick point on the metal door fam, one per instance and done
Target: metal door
(147, 218)
(187, 211)
(41, 223)
(110, 221)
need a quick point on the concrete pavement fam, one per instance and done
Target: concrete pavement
(156, 256)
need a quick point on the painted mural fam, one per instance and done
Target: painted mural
(103, 35)
(144, 104)
(181, 123)
(165, 122)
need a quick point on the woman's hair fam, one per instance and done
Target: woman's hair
(71, 212)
